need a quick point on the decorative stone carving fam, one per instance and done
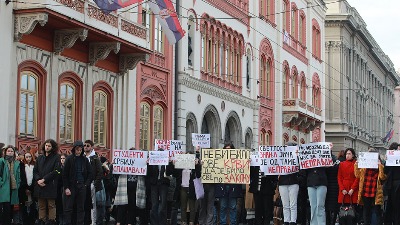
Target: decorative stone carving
(153, 94)
(298, 121)
(288, 117)
(67, 38)
(130, 61)
(25, 23)
(100, 50)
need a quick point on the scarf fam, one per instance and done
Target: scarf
(141, 193)
(13, 182)
(121, 196)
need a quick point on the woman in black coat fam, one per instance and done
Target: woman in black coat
(331, 204)
(28, 202)
(45, 174)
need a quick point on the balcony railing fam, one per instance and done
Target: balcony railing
(297, 105)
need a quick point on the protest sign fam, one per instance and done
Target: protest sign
(185, 161)
(255, 160)
(316, 154)
(158, 157)
(172, 153)
(368, 160)
(392, 158)
(131, 162)
(278, 160)
(229, 166)
(202, 140)
(168, 145)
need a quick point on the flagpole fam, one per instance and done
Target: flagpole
(178, 13)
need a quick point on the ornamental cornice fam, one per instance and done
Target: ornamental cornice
(336, 45)
(130, 61)
(216, 91)
(25, 23)
(100, 50)
(67, 38)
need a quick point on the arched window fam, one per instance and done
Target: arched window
(286, 15)
(209, 50)
(285, 83)
(302, 28)
(103, 98)
(268, 79)
(316, 39)
(158, 122)
(262, 81)
(28, 104)
(316, 91)
(294, 84)
(294, 21)
(191, 33)
(248, 68)
(67, 112)
(303, 89)
(265, 137)
(144, 126)
(100, 118)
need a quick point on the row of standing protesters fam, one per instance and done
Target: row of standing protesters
(66, 191)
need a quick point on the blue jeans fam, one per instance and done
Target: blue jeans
(289, 202)
(317, 197)
(226, 204)
(158, 214)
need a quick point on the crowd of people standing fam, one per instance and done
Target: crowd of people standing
(47, 188)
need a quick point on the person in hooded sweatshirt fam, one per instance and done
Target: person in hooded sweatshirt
(77, 176)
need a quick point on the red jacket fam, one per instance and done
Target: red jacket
(347, 180)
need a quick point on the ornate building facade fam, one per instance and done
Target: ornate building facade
(251, 72)
(360, 82)
(71, 72)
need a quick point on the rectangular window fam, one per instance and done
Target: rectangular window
(144, 126)
(158, 123)
(158, 37)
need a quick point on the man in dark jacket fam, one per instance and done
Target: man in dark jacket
(92, 212)
(77, 176)
(45, 174)
(159, 181)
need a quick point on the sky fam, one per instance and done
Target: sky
(383, 23)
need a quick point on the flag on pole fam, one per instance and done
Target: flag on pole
(107, 6)
(388, 136)
(166, 15)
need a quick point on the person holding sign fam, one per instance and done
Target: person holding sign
(289, 189)
(159, 183)
(348, 183)
(392, 190)
(228, 194)
(186, 191)
(370, 192)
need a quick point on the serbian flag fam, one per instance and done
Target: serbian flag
(166, 15)
(107, 6)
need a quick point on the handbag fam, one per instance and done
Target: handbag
(347, 211)
(199, 189)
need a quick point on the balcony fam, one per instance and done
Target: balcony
(62, 22)
(298, 113)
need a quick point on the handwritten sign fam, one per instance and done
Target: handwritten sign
(185, 161)
(173, 153)
(392, 158)
(255, 160)
(131, 162)
(202, 140)
(315, 155)
(368, 160)
(278, 160)
(230, 166)
(168, 145)
(158, 157)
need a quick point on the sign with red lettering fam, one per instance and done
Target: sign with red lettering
(278, 160)
(392, 158)
(130, 162)
(316, 154)
(229, 166)
(158, 157)
(168, 145)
